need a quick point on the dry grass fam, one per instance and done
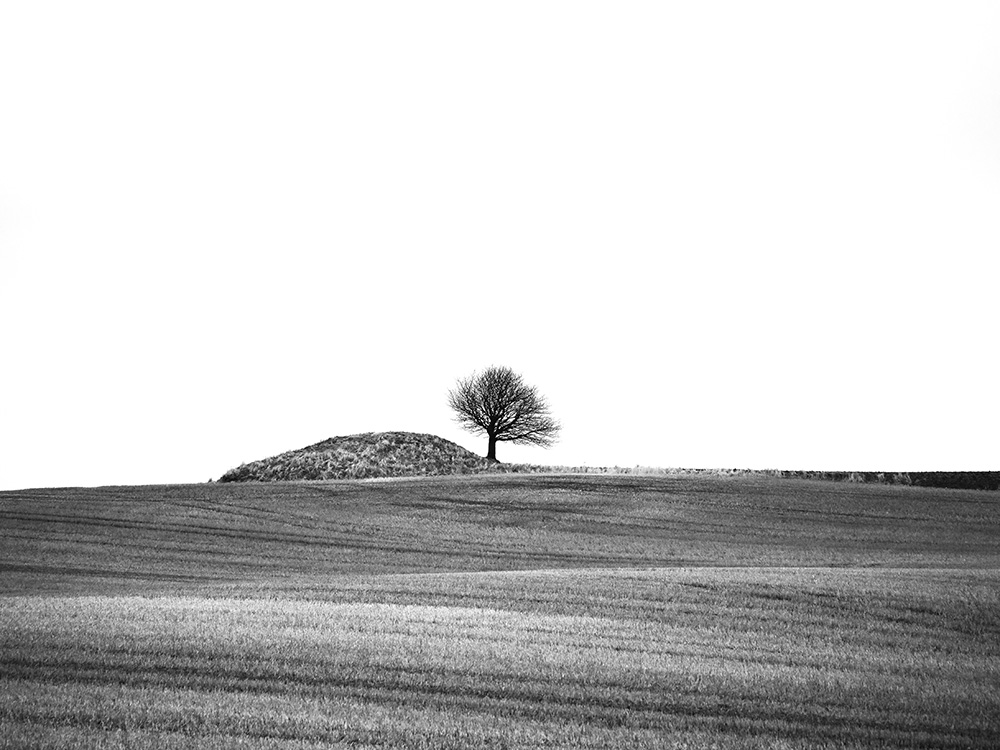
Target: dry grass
(811, 658)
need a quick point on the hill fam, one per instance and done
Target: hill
(365, 456)
(289, 533)
(587, 611)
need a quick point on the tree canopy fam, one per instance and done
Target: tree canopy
(498, 403)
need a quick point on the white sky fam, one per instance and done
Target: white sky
(719, 234)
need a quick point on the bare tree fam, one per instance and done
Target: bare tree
(499, 404)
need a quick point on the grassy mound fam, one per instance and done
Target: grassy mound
(364, 456)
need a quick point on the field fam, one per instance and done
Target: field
(501, 611)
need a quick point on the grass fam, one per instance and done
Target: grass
(505, 611)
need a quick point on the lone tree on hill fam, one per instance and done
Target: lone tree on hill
(500, 404)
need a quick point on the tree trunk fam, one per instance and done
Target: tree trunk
(491, 454)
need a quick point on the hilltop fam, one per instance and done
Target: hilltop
(373, 455)
(365, 456)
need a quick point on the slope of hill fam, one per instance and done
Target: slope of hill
(287, 532)
(365, 456)
(501, 611)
